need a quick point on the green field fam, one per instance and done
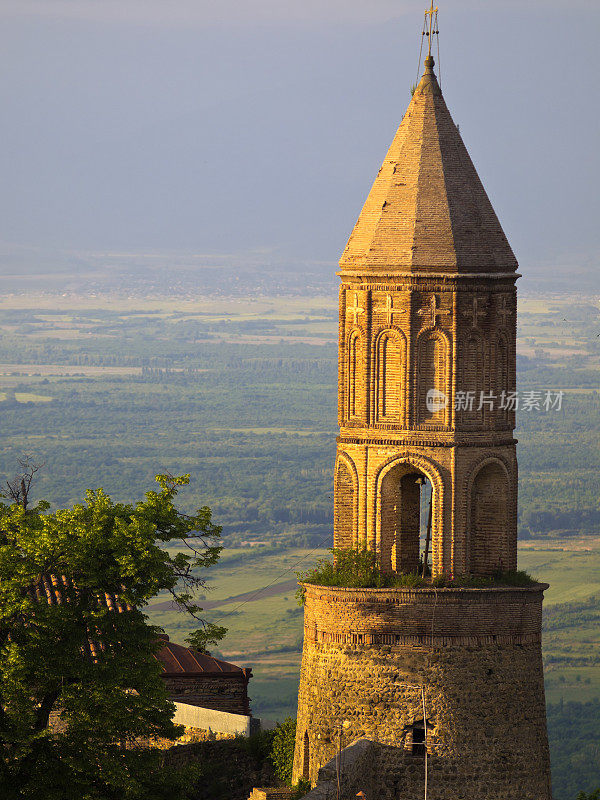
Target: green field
(265, 630)
(26, 397)
(241, 392)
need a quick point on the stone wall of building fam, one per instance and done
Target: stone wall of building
(356, 767)
(207, 719)
(227, 692)
(272, 794)
(227, 769)
(373, 657)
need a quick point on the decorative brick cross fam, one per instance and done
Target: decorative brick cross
(356, 309)
(431, 313)
(475, 312)
(503, 310)
(389, 309)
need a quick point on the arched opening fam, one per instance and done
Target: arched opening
(352, 373)
(344, 505)
(389, 383)
(432, 400)
(489, 520)
(305, 756)
(406, 521)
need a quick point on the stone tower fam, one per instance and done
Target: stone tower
(427, 357)
(427, 338)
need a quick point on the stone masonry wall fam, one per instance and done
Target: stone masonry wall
(372, 656)
(222, 693)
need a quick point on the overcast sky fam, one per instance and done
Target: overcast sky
(259, 125)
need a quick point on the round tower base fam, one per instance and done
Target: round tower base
(374, 659)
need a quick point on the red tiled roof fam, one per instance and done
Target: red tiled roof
(55, 590)
(179, 660)
(174, 658)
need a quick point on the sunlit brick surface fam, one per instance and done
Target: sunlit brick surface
(427, 321)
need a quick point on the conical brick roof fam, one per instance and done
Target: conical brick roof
(427, 210)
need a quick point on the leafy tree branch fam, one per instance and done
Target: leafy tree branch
(80, 684)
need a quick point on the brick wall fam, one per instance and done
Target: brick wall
(401, 336)
(227, 692)
(370, 656)
(344, 500)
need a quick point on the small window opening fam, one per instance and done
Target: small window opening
(306, 757)
(418, 740)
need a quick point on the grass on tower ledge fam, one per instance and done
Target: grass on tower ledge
(360, 569)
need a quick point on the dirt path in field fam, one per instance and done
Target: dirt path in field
(257, 594)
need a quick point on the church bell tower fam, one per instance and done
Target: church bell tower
(427, 359)
(427, 349)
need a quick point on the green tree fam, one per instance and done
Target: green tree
(80, 686)
(282, 750)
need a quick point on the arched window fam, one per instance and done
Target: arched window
(400, 520)
(432, 399)
(344, 503)
(389, 376)
(352, 373)
(490, 497)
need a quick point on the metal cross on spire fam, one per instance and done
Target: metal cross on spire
(430, 29)
(431, 26)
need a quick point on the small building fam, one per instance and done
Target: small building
(202, 680)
